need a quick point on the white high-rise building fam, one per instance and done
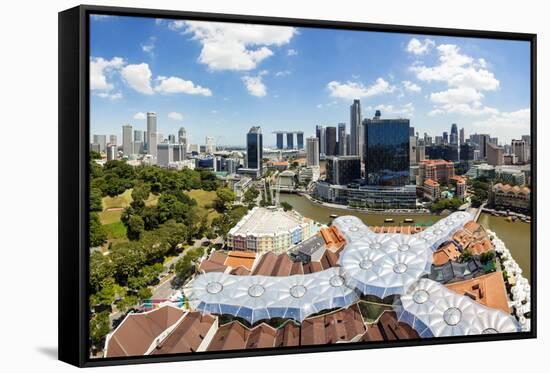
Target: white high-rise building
(312, 151)
(182, 137)
(521, 150)
(210, 145)
(152, 134)
(356, 130)
(111, 152)
(112, 140)
(127, 146)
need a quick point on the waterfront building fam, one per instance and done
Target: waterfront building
(508, 197)
(386, 151)
(127, 146)
(356, 130)
(460, 186)
(285, 181)
(300, 139)
(152, 134)
(307, 174)
(240, 185)
(312, 152)
(367, 196)
(270, 229)
(342, 139)
(495, 154)
(331, 145)
(342, 170)
(437, 170)
(431, 190)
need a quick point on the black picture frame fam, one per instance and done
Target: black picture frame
(73, 180)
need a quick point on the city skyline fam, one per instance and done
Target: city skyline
(482, 85)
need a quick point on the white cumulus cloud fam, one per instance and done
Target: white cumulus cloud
(411, 87)
(100, 68)
(140, 116)
(175, 116)
(228, 46)
(292, 52)
(174, 84)
(255, 85)
(354, 90)
(506, 125)
(419, 47)
(138, 77)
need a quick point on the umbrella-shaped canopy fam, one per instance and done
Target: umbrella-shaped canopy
(262, 297)
(435, 311)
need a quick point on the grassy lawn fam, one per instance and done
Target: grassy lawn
(110, 216)
(116, 231)
(123, 200)
(204, 199)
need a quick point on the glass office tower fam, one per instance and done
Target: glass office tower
(254, 148)
(386, 151)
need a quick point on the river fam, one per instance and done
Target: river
(515, 235)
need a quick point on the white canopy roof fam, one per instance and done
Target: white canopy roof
(435, 311)
(262, 297)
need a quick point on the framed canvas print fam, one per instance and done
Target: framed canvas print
(232, 186)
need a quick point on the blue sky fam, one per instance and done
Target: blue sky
(219, 79)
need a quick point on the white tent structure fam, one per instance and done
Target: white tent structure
(255, 298)
(380, 264)
(435, 311)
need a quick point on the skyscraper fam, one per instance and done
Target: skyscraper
(165, 154)
(112, 140)
(331, 146)
(300, 139)
(171, 139)
(152, 134)
(111, 152)
(210, 145)
(312, 152)
(254, 149)
(519, 148)
(343, 170)
(356, 129)
(102, 141)
(290, 140)
(182, 138)
(445, 137)
(341, 139)
(127, 146)
(387, 151)
(454, 134)
(481, 141)
(280, 140)
(495, 155)
(138, 135)
(462, 136)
